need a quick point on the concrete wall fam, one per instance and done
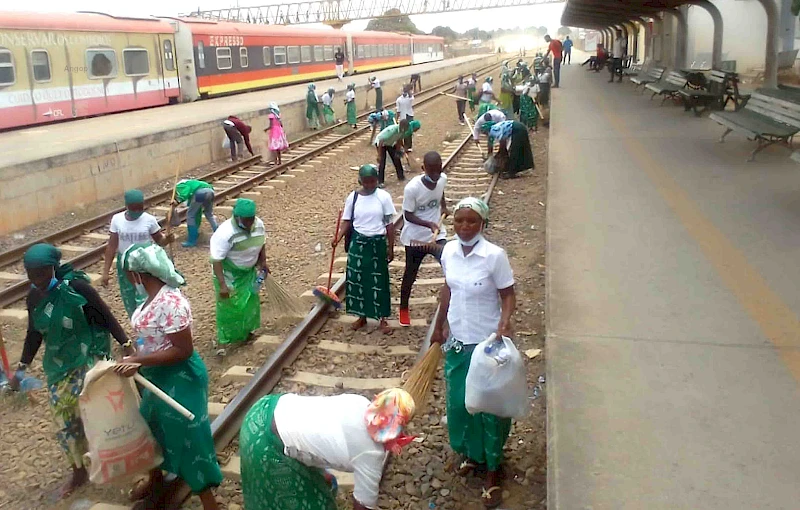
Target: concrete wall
(37, 191)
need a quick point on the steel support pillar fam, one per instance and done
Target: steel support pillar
(771, 57)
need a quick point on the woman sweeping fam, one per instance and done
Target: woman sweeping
(327, 107)
(286, 441)
(350, 101)
(237, 255)
(487, 96)
(68, 315)
(277, 141)
(312, 107)
(528, 114)
(375, 83)
(370, 211)
(477, 300)
(168, 360)
(514, 146)
(132, 226)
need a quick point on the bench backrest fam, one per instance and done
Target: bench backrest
(728, 65)
(786, 59)
(676, 78)
(656, 72)
(774, 108)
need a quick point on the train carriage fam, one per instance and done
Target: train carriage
(427, 48)
(63, 66)
(379, 50)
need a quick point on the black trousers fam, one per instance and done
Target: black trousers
(398, 164)
(462, 107)
(615, 67)
(414, 257)
(408, 142)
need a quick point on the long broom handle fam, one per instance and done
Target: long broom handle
(333, 253)
(472, 130)
(6, 365)
(163, 396)
(171, 207)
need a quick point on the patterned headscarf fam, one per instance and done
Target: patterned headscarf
(153, 260)
(273, 107)
(501, 130)
(489, 79)
(387, 415)
(476, 204)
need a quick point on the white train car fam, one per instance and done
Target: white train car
(427, 48)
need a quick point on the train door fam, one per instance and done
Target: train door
(169, 68)
(183, 54)
(351, 55)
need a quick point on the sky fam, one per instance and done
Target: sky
(548, 15)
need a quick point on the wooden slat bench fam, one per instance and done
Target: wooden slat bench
(765, 118)
(653, 75)
(669, 87)
(722, 87)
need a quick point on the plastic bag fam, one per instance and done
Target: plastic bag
(226, 143)
(120, 442)
(496, 382)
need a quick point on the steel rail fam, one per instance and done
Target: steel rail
(19, 290)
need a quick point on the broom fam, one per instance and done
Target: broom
(421, 376)
(172, 208)
(279, 302)
(324, 294)
(483, 155)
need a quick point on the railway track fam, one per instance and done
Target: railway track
(84, 243)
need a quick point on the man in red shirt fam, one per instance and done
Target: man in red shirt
(554, 47)
(236, 131)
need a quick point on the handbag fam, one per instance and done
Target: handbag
(348, 236)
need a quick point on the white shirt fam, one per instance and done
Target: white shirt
(486, 92)
(474, 280)
(425, 204)
(237, 245)
(405, 107)
(619, 47)
(140, 230)
(497, 116)
(350, 96)
(169, 312)
(327, 99)
(372, 212)
(376, 83)
(331, 432)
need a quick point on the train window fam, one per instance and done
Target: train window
(391, 50)
(137, 62)
(267, 59)
(279, 54)
(374, 50)
(201, 55)
(305, 52)
(328, 53)
(319, 54)
(244, 61)
(7, 75)
(40, 61)
(361, 53)
(169, 56)
(101, 63)
(293, 54)
(381, 50)
(224, 59)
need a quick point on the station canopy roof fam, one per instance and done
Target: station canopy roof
(603, 13)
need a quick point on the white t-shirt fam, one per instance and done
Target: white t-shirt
(372, 212)
(132, 232)
(486, 91)
(350, 96)
(235, 244)
(425, 204)
(474, 280)
(497, 116)
(327, 99)
(619, 47)
(405, 107)
(376, 83)
(331, 432)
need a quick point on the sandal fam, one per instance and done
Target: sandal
(384, 328)
(493, 497)
(466, 467)
(360, 323)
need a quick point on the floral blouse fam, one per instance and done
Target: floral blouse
(169, 312)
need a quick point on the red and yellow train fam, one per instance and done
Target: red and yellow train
(66, 66)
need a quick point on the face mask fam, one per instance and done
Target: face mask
(471, 242)
(140, 289)
(50, 286)
(135, 215)
(427, 179)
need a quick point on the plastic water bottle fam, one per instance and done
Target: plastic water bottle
(262, 275)
(496, 350)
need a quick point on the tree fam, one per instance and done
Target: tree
(448, 33)
(477, 33)
(543, 30)
(394, 22)
(564, 31)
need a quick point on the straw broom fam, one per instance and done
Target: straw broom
(421, 376)
(172, 208)
(281, 303)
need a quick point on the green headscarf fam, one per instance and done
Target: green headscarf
(477, 205)
(244, 208)
(414, 124)
(311, 86)
(368, 170)
(351, 86)
(153, 260)
(41, 255)
(134, 196)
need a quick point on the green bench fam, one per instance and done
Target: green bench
(767, 118)
(669, 87)
(721, 88)
(653, 75)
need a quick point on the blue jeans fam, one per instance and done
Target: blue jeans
(202, 199)
(556, 71)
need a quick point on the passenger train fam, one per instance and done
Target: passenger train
(67, 66)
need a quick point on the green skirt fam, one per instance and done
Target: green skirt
(483, 108)
(368, 288)
(479, 437)
(528, 114)
(270, 479)
(240, 314)
(188, 446)
(378, 99)
(312, 114)
(472, 99)
(520, 156)
(506, 101)
(130, 300)
(351, 113)
(330, 116)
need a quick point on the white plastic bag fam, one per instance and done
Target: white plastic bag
(226, 143)
(120, 442)
(498, 388)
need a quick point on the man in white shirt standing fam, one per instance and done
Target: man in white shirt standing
(405, 111)
(423, 205)
(339, 57)
(619, 49)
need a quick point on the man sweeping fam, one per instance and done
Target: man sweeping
(199, 198)
(237, 255)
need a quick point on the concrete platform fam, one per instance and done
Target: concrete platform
(47, 170)
(673, 298)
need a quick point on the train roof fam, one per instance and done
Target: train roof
(428, 38)
(81, 22)
(208, 27)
